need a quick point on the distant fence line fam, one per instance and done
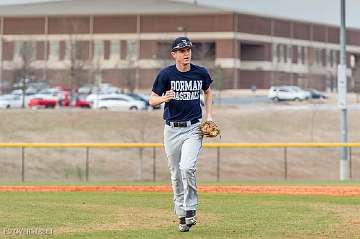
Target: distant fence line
(154, 146)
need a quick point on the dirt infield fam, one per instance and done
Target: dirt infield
(283, 190)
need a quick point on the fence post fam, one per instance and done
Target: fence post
(154, 164)
(218, 164)
(285, 164)
(350, 162)
(22, 164)
(87, 164)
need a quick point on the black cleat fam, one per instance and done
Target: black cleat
(190, 218)
(182, 225)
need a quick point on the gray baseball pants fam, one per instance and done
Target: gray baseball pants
(182, 147)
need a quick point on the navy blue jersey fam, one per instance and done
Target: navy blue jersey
(187, 86)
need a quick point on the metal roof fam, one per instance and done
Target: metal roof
(100, 7)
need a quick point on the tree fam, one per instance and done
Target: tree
(78, 72)
(25, 73)
(78, 57)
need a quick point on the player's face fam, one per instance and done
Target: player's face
(182, 56)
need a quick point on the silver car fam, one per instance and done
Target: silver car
(277, 93)
(10, 101)
(115, 102)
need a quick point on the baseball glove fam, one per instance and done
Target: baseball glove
(209, 129)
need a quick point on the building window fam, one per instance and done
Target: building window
(163, 50)
(280, 53)
(81, 50)
(328, 57)
(324, 57)
(318, 57)
(334, 58)
(204, 51)
(294, 52)
(284, 53)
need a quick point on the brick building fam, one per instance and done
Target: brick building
(125, 43)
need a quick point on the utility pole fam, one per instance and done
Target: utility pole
(342, 96)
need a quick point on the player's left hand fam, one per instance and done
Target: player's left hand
(209, 129)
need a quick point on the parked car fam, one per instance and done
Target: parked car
(28, 91)
(141, 97)
(34, 84)
(93, 98)
(145, 98)
(10, 101)
(104, 88)
(37, 103)
(277, 93)
(315, 94)
(298, 89)
(61, 96)
(80, 101)
(117, 102)
(85, 89)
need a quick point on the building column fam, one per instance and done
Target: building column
(138, 42)
(236, 53)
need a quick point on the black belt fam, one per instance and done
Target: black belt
(182, 123)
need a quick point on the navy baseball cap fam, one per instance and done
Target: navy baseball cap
(180, 43)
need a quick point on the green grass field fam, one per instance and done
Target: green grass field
(149, 215)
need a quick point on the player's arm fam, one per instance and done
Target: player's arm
(208, 98)
(156, 99)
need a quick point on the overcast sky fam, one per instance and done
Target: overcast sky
(322, 11)
(9, 2)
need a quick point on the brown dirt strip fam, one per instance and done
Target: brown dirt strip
(283, 190)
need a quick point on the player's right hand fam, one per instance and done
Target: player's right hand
(170, 94)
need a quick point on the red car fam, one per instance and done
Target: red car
(82, 103)
(42, 103)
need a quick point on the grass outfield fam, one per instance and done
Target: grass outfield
(149, 215)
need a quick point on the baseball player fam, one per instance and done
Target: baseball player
(179, 87)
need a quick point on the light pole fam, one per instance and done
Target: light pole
(342, 95)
